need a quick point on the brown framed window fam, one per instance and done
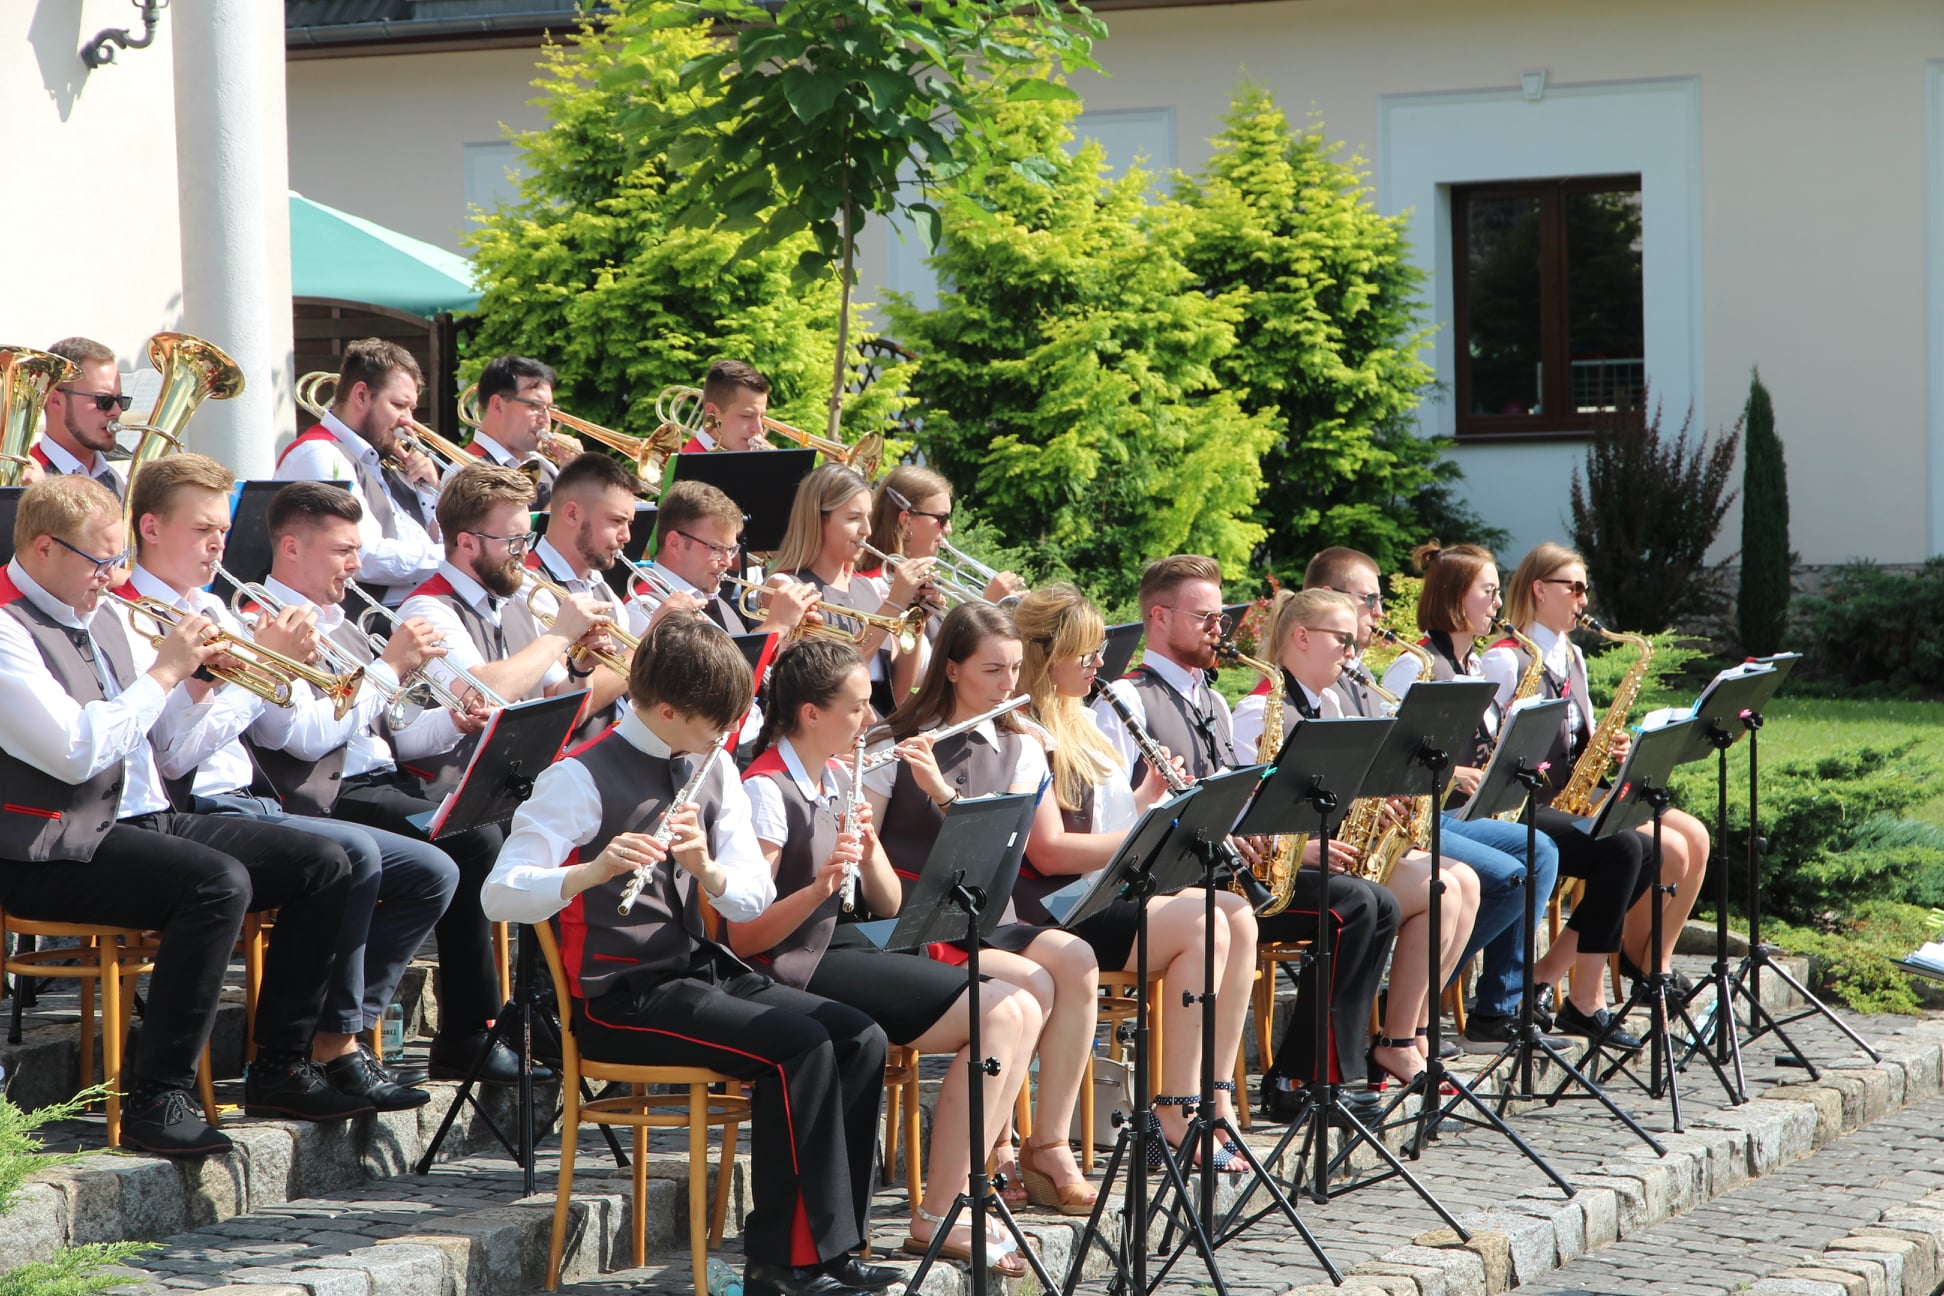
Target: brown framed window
(1548, 313)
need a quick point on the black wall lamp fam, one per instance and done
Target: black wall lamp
(101, 50)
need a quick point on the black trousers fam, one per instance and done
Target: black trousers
(1363, 927)
(192, 878)
(468, 982)
(817, 1074)
(1614, 870)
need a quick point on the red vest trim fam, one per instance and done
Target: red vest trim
(437, 587)
(39, 456)
(693, 446)
(9, 592)
(316, 432)
(770, 762)
(1261, 689)
(1513, 644)
(573, 934)
(475, 449)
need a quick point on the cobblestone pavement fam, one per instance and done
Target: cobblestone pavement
(1774, 1222)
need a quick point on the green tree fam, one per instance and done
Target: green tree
(1069, 368)
(816, 113)
(1281, 227)
(592, 271)
(1762, 606)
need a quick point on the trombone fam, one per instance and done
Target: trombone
(315, 391)
(944, 579)
(260, 671)
(649, 454)
(557, 446)
(681, 407)
(422, 688)
(580, 652)
(904, 629)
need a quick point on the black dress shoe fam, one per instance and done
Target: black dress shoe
(295, 1089)
(357, 1073)
(854, 1272)
(1361, 1104)
(170, 1123)
(1543, 1007)
(1572, 1021)
(1279, 1106)
(453, 1059)
(782, 1280)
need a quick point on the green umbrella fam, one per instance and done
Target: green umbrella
(336, 254)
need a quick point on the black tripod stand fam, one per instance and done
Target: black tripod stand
(516, 1025)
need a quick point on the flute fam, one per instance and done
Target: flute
(889, 755)
(853, 814)
(664, 832)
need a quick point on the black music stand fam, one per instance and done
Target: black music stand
(1122, 640)
(246, 552)
(526, 736)
(1513, 779)
(959, 896)
(1640, 795)
(1319, 773)
(762, 482)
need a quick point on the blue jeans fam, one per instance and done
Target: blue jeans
(399, 887)
(1496, 851)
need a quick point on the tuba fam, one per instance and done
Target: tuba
(26, 376)
(1577, 798)
(193, 371)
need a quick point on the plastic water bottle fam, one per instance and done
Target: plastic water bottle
(392, 1031)
(723, 1280)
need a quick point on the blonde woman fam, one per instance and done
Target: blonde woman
(1077, 831)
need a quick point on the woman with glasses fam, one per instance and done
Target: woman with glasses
(1311, 635)
(975, 667)
(819, 701)
(1077, 831)
(829, 522)
(1547, 595)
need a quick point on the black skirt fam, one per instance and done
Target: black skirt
(905, 993)
(1110, 933)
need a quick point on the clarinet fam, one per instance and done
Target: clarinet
(853, 814)
(664, 833)
(1239, 873)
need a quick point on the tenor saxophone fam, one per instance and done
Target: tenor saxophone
(1577, 797)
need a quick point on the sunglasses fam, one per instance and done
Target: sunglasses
(102, 566)
(1372, 601)
(1346, 639)
(1580, 588)
(943, 519)
(1221, 622)
(103, 401)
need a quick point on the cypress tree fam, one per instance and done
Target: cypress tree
(1762, 607)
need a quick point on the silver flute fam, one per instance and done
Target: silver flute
(890, 754)
(853, 815)
(664, 831)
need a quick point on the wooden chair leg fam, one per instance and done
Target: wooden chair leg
(1263, 995)
(564, 1193)
(1023, 1112)
(503, 959)
(698, 1186)
(88, 1024)
(725, 1180)
(914, 1169)
(638, 1234)
(114, 1027)
(206, 1086)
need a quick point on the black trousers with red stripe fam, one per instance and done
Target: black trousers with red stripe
(1364, 928)
(816, 1070)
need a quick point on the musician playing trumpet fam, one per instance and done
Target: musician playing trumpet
(653, 988)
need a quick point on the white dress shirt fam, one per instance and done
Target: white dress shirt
(46, 727)
(406, 559)
(564, 813)
(1247, 721)
(1029, 768)
(434, 730)
(68, 466)
(1501, 666)
(555, 567)
(1114, 809)
(766, 799)
(314, 730)
(495, 452)
(1182, 679)
(1407, 670)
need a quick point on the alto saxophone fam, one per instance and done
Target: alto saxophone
(1380, 840)
(1577, 798)
(1285, 853)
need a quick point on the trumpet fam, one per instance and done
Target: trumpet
(422, 687)
(682, 407)
(315, 391)
(631, 891)
(890, 754)
(346, 670)
(613, 661)
(258, 670)
(905, 629)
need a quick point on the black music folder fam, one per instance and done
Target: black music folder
(518, 742)
(246, 552)
(1524, 737)
(762, 482)
(980, 846)
(1122, 640)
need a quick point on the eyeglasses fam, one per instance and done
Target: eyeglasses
(516, 545)
(725, 552)
(103, 401)
(1491, 592)
(545, 407)
(1580, 588)
(943, 519)
(1098, 657)
(102, 566)
(1220, 622)
(1374, 602)
(1346, 639)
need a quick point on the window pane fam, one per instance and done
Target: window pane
(1502, 303)
(1604, 334)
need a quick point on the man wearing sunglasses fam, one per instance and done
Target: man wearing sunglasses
(82, 414)
(357, 445)
(1354, 575)
(515, 418)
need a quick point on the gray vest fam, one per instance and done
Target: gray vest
(812, 837)
(311, 787)
(42, 817)
(663, 937)
(912, 819)
(1566, 744)
(1200, 734)
(441, 772)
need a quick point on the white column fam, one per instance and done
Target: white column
(233, 163)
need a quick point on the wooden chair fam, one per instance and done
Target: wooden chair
(1271, 955)
(901, 1110)
(697, 1110)
(109, 958)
